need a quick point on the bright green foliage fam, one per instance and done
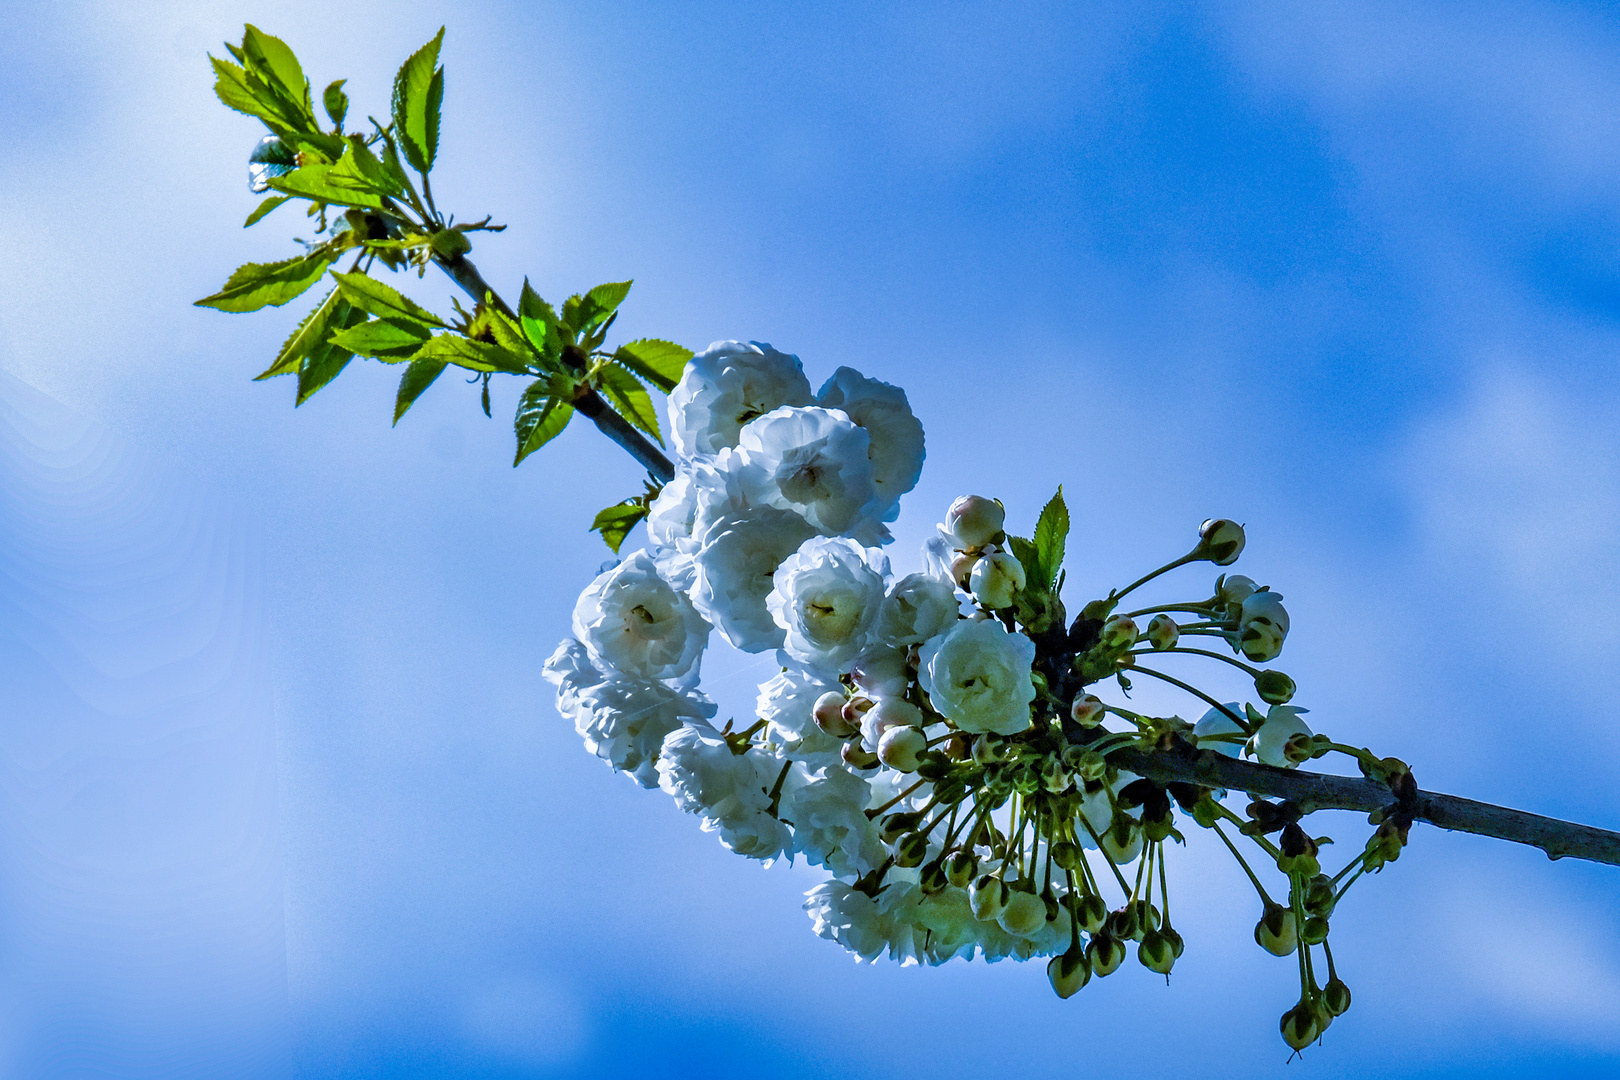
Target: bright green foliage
(258, 285)
(373, 297)
(581, 315)
(417, 378)
(540, 418)
(1051, 534)
(318, 182)
(269, 57)
(616, 521)
(628, 396)
(539, 322)
(389, 339)
(336, 102)
(311, 333)
(269, 204)
(472, 355)
(323, 362)
(418, 93)
(659, 362)
(360, 171)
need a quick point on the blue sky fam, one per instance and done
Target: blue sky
(284, 793)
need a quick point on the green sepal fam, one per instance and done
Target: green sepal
(472, 355)
(360, 170)
(539, 322)
(310, 335)
(659, 362)
(317, 182)
(583, 314)
(616, 521)
(373, 297)
(388, 339)
(540, 418)
(323, 363)
(417, 378)
(258, 285)
(418, 91)
(627, 394)
(270, 203)
(336, 102)
(1051, 534)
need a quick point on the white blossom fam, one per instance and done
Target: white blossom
(825, 596)
(842, 913)
(918, 607)
(1262, 626)
(787, 705)
(632, 621)
(896, 449)
(731, 792)
(1270, 740)
(973, 521)
(977, 675)
(570, 670)
(734, 573)
(814, 462)
(1220, 722)
(996, 580)
(624, 722)
(726, 386)
(827, 808)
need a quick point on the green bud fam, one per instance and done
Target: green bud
(1156, 952)
(1091, 913)
(988, 898)
(1119, 633)
(893, 826)
(932, 879)
(1177, 944)
(1274, 687)
(1162, 632)
(1087, 710)
(1069, 971)
(912, 850)
(1315, 930)
(1147, 917)
(989, 749)
(1024, 915)
(1299, 1028)
(1319, 896)
(1106, 953)
(1124, 924)
(1026, 779)
(1336, 996)
(449, 243)
(1220, 541)
(1276, 932)
(960, 868)
(1066, 855)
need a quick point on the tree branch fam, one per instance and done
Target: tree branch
(590, 404)
(1320, 791)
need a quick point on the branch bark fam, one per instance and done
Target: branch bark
(590, 404)
(1321, 791)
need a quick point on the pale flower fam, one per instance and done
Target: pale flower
(896, 449)
(787, 704)
(814, 462)
(840, 912)
(1262, 626)
(977, 675)
(731, 792)
(632, 621)
(1271, 739)
(734, 573)
(1220, 722)
(918, 607)
(827, 809)
(826, 596)
(624, 722)
(726, 386)
(570, 670)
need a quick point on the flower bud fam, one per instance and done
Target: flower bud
(1069, 971)
(1274, 687)
(1091, 913)
(1156, 952)
(1087, 710)
(880, 672)
(1336, 996)
(1054, 777)
(1319, 896)
(1124, 924)
(856, 708)
(974, 521)
(988, 898)
(1276, 931)
(996, 580)
(829, 714)
(990, 748)
(962, 568)
(892, 827)
(1123, 841)
(1315, 930)
(911, 850)
(1177, 945)
(1299, 1028)
(887, 714)
(1106, 953)
(960, 868)
(1162, 632)
(1262, 626)
(1118, 633)
(1024, 915)
(1220, 541)
(1066, 855)
(857, 757)
(1233, 589)
(899, 747)
(932, 879)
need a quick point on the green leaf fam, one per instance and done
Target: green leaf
(324, 362)
(392, 340)
(540, 417)
(472, 355)
(373, 297)
(249, 94)
(256, 285)
(417, 378)
(310, 335)
(539, 322)
(315, 182)
(269, 204)
(415, 101)
(627, 394)
(659, 362)
(1051, 532)
(616, 521)
(582, 314)
(1024, 551)
(271, 56)
(336, 102)
(359, 170)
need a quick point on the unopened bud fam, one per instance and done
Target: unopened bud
(1156, 952)
(1262, 626)
(1123, 841)
(899, 747)
(1319, 896)
(996, 580)
(988, 897)
(1220, 541)
(1162, 632)
(1315, 930)
(1336, 996)
(1234, 588)
(1066, 855)
(1069, 971)
(893, 826)
(1119, 632)
(1088, 710)
(1106, 953)
(974, 521)
(960, 868)
(1025, 914)
(962, 568)
(1054, 777)
(829, 714)
(1091, 913)
(932, 879)
(1276, 932)
(1299, 1028)
(858, 757)
(1177, 945)
(1124, 924)
(1274, 687)
(911, 850)
(989, 748)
